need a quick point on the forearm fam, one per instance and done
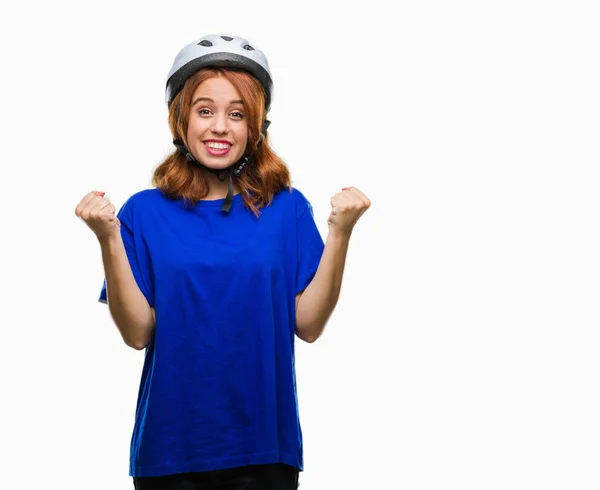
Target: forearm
(127, 304)
(319, 299)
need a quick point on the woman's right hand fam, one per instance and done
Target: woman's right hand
(99, 214)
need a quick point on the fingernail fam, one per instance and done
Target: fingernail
(345, 188)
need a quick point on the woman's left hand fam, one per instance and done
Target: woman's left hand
(346, 208)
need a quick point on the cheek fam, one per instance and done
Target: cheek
(243, 139)
(242, 134)
(190, 130)
(195, 126)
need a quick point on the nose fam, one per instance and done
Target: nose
(220, 124)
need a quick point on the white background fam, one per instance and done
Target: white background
(464, 350)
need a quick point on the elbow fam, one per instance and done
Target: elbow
(308, 334)
(134, 345)
(142, 342)
(308, 340)
(142, 339)
(135, 342)
(139, 336)
(137, 345)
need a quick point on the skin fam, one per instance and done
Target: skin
(221, 117)
(316, 303)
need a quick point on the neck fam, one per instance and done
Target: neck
(216, 188)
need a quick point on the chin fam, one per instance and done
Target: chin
(219, 163)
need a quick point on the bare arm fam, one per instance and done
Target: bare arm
(128, 306)
(316, 303)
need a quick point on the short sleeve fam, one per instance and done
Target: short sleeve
(137, 253)
(310, 246)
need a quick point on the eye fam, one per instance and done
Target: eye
(238, 114)
(203, 112)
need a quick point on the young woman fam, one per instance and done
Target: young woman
(213, 272)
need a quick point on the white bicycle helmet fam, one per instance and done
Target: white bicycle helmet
(219, 51)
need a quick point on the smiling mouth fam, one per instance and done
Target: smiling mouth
(217, 148)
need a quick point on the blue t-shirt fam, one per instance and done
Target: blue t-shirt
(218, 385)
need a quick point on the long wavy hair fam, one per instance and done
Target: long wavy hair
(265, 174)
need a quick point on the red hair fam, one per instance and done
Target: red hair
(265, 174)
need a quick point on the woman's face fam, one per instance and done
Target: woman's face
(217, 129)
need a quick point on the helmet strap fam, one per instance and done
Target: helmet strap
(234, 169)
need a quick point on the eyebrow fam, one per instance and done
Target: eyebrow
(237, 101)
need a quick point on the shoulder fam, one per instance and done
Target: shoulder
(293, 197)
(142, 198)
(145, 195)
(139, 203)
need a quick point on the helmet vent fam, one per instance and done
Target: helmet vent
(219, 50)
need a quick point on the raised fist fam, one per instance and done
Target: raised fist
(99, 214)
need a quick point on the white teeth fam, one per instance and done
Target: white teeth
(218, 146)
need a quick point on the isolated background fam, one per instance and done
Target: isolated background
(464, 351)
